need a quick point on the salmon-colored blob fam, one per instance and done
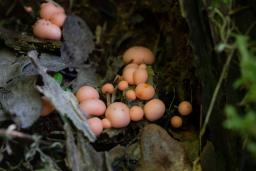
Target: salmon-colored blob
(58, 19)
(95, 125)
(47, 107)
(140, 76)
(138, 55)
(122, 85)
(185, 108)
(107, 88)
(44, 29)
(130, 95)
(154, 109)
(128, 75)
(87, 92)
(118, 114)
(106, 123)
(93, 107)
(47, 10)
(145, 91)
(176, 121)
(136, 113)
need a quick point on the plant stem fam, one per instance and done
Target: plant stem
(215, 93)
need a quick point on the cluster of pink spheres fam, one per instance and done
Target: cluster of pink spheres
(52, 19)
(133, 84)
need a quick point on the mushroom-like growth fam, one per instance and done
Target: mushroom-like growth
(154, 109)
(106, 123)
(87, 92)
(131, 65)
(93, 107)
(58, 19)
(185, 108)
(145, 91)
(130, 95)
(140, 76)
(138, 55)
(128, 75)
(176, 121)
(143, 66)
(95, 125)
(118, 114)
(44, 29)
(122, 85)
(47, 10)
(136, 113)
(107, 88)
(47, 107)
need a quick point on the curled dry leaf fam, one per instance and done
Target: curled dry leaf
(77, 41)
(63, 101)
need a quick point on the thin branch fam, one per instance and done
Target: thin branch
(215, 93)
(16, 134)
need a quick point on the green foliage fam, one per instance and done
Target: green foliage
(58, 77)
(221, 2)
(245, 123)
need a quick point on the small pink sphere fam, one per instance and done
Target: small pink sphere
(130, 95)
(58, 19)
(93, 107)
(138, 55)
(128, 75)
(136, 113)
(87, 92)
(143, 66)
(118, 114)
(107, 88)
(154, 109)
(140, 76)
(122, 85)
(131, 65)
(95, 125)
(47, 10)
(145, 91)
(46, 30)
(106, 123)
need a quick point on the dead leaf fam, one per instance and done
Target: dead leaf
(81, 155)
(51, 62)
(22, 101)
(86, 75)
(63, 101)
(78, 41)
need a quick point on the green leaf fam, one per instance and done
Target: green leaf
(58, 77)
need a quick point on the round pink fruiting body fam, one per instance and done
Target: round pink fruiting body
(44, 29)
(58, 19)
(87, 92)
(106, 123)
(93, 107)
(122, 85)
(138, 55)
(144, 91)
(128, 75)
(95, 125)
(118, 114)
(107, 88)
(136, 113)
(130, 95)
(47, 10)
(154, 109)
(140, 76)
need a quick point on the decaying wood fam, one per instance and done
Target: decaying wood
(24, 43)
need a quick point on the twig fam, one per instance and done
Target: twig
(215, 93)
(16, 134)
